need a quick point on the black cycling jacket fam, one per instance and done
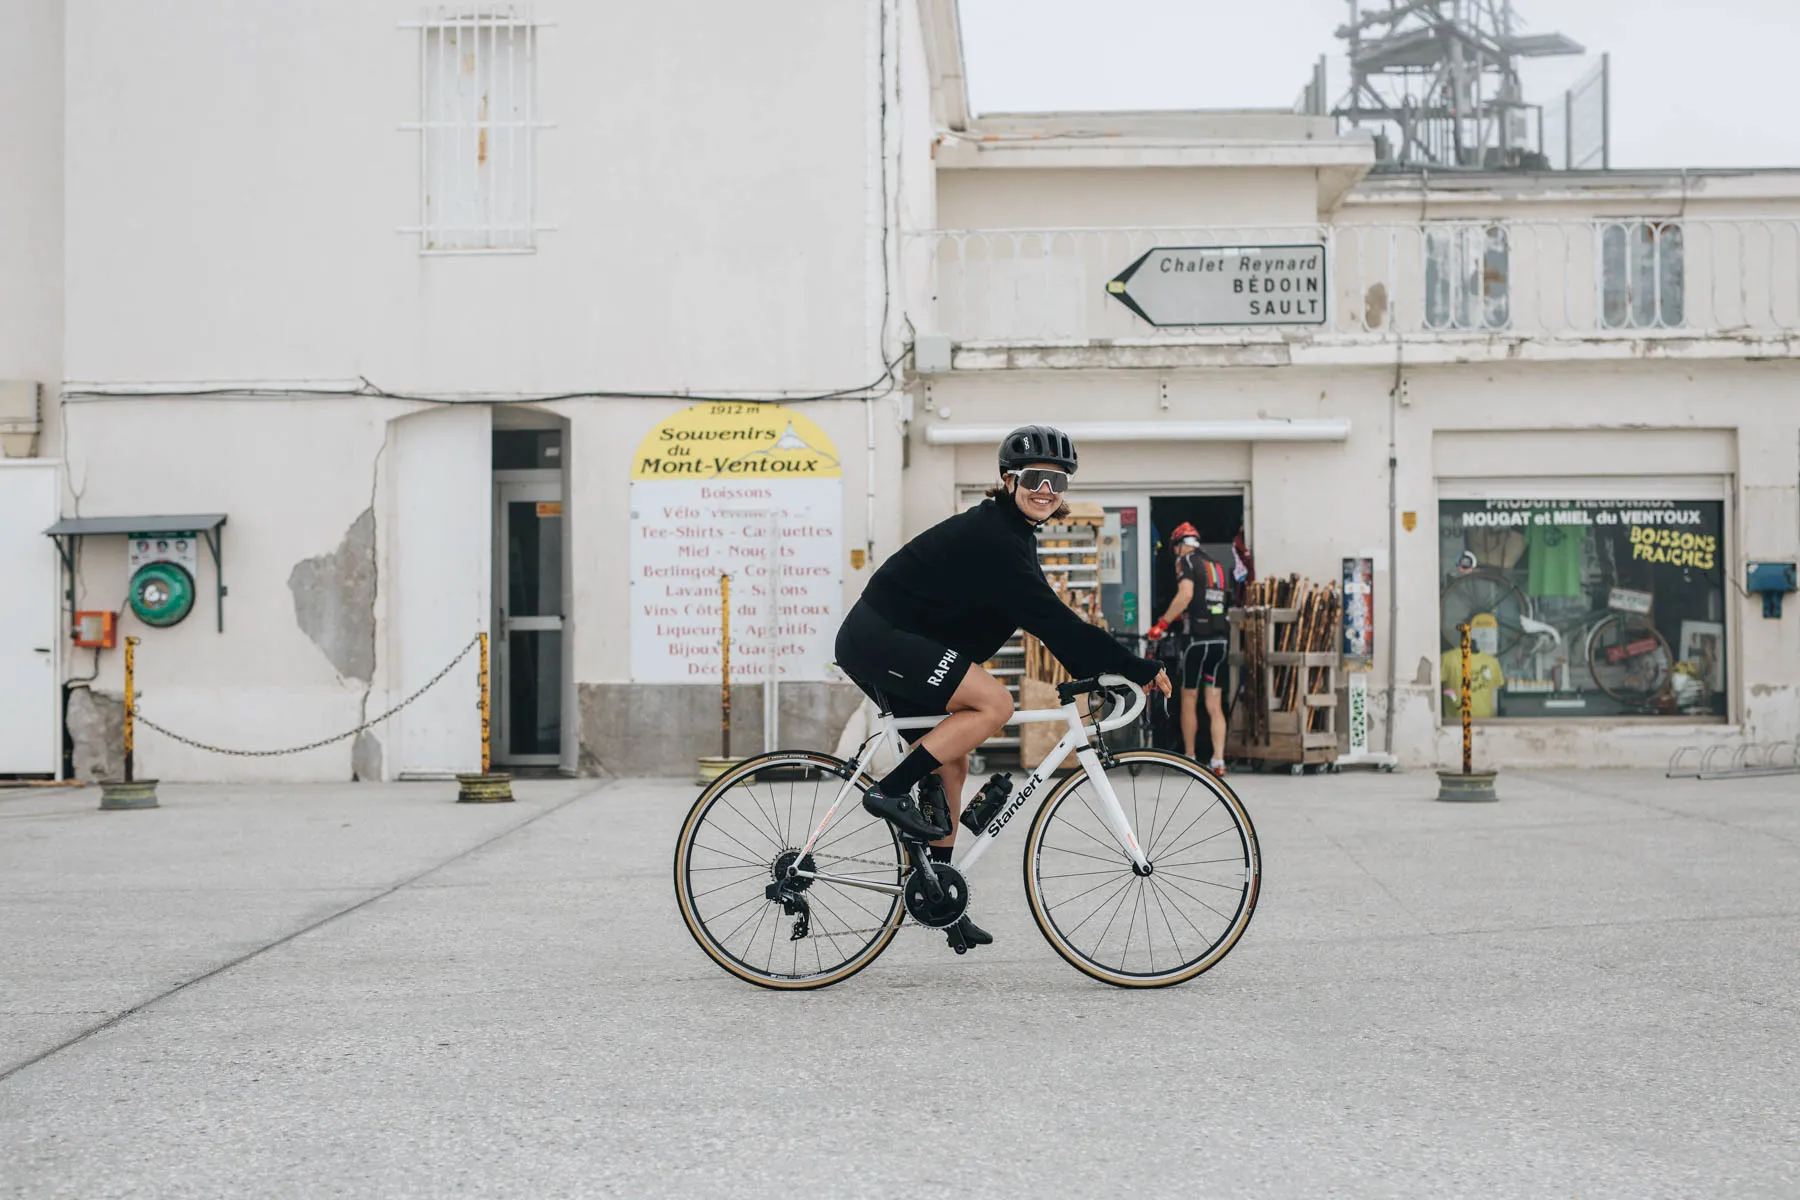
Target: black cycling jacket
(968, 582)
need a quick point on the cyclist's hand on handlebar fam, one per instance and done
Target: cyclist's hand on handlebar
(1161, 684)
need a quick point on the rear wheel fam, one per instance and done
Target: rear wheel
(742, 835)
(1110, 920)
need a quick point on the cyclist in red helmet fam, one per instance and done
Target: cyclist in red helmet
(1199, 608)
(945, 603)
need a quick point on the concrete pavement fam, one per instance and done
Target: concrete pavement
(1586, 989)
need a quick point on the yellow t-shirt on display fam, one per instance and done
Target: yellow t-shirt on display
(1485, 681)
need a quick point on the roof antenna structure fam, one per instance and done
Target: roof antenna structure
(1439, 82)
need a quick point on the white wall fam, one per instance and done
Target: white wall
(236, 176)
(1050, 198)
(436, 586)
(31, 191)
(292, 477)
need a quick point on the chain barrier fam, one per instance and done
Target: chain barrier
(366, 725)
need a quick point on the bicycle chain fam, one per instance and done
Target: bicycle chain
(140, 719)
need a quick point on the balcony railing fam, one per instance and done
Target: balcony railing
(1580, 279)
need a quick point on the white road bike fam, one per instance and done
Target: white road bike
(1141, 867)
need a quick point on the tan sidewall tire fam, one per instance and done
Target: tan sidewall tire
(1069, 955)
(694, 927)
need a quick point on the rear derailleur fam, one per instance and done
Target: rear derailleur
(788, 888)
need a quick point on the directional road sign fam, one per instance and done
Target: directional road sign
(1226, 285)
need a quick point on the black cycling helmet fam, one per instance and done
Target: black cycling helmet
(1037, 444)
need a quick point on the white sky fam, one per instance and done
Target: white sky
(1691, 86)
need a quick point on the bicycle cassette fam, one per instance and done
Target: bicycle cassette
(948, 908)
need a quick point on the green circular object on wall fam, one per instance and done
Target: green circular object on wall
(162, 594)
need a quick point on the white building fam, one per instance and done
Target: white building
(409, 298)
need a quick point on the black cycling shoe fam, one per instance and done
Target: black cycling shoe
(902, 812)
(969, 934)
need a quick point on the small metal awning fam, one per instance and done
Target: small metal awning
(85, 526)
(69, 531)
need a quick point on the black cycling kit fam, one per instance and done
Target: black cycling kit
(951, 597)
(1207, 627)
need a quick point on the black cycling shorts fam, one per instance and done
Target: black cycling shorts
(1203, 664)
(915, 675)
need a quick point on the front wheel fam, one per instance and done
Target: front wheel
(1121, 926)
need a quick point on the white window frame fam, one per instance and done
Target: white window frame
(434, 238)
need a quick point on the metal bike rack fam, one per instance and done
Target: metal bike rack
(1747, 760)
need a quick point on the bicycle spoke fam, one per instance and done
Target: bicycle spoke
(723, 886)
(1084, 854)
(1209, 837)
(1197, 900)
(1185, 828)
(1126, 890)
(1151, 853)
(1117, 844)
(1079, 895)
(1175, 941)
(1157, 888)
(727, 854)
(1103, 901)
(1230, 887)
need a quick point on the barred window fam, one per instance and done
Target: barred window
(1640, 275)
(1466, 272)
(477, 128)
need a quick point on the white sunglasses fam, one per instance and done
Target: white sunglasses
(1036, 479)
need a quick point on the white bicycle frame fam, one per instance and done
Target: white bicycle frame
(1076, 739)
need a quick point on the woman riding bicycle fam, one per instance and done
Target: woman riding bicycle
(944, 604)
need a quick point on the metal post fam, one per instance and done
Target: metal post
(1606, 111)
(487, 749)
(771, 684)
(725, 666)
(130, 701)
(1468, 707)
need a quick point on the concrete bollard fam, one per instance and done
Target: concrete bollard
(117, 795)
(484, 788)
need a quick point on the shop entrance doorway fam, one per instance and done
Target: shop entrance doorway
(1217, 517)
(530, 598)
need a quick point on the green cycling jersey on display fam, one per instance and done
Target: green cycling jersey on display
(1553, 559)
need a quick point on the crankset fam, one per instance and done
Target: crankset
(937, 902)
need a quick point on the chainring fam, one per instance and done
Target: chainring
(945, 911)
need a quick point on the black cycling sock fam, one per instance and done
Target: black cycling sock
(912, 769)
(941, 853)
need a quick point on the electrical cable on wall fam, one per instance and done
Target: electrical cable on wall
(881, 386)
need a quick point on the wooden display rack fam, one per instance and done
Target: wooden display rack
(1287, 736)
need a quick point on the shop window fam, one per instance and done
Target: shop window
(1584, 608)
(1467, 268)
(1640, 275)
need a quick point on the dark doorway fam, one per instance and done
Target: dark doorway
(1218, 518)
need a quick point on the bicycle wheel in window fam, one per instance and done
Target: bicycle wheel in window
(740, 837)
(1630, 660)
(1131, 929)
(1468, 596)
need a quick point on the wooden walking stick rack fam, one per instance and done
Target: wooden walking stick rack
(1284, 669)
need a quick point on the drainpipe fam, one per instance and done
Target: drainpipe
(1393, 647)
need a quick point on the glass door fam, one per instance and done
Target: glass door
(528, 668)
